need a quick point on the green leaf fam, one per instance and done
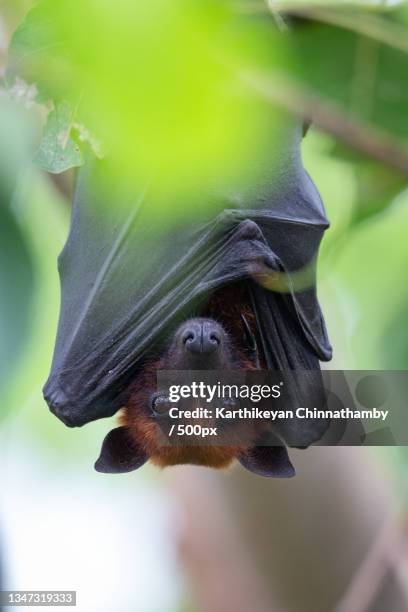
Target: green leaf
(59, 150)
(16, 265)
(16, 286)
(377, 185)
(38, 53)
(394, 342)
(346, 64)
(362, 70)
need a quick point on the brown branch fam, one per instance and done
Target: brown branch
(281, 90)
(399, 561)
(221, 571)
(368, 22)
(380, 559)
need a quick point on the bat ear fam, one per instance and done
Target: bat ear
(119, 454)
(272, 461)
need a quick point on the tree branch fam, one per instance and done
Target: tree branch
(283, 91)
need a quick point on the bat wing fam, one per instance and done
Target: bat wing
(127, 278)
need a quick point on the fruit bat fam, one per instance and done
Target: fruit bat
(132, 285)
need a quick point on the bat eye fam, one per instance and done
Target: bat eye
(160, 405)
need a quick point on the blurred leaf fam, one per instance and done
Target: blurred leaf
(394, 341)
(346, 55)
(377, 185)
(59, 149)
(158, 109)
(369, 273)
(364, 70)
(37, 52)
(16, 286)
(17, 137)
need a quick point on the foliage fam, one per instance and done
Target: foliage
(343, 66)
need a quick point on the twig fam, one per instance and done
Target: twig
(223, 575)
(399, 562)
(366, 23)
(368, 139)
(368, 579)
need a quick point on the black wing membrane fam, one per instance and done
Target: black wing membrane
(126, 279)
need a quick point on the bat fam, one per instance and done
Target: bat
(232, 288)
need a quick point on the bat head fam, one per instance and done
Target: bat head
(199, 343)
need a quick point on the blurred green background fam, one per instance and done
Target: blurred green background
(61, 524)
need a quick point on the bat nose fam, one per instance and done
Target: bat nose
(201, 336)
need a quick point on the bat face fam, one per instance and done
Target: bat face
(224, 339)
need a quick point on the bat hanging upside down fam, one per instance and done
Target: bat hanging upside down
(223, 337)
